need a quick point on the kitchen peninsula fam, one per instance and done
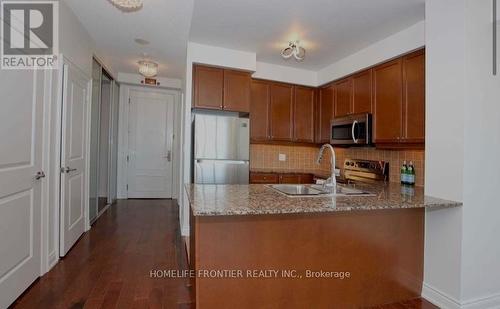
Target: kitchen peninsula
(312, 242)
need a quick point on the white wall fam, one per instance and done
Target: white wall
(445, 85)
(286, 74)
(462, 265)
(224, 57)
(135, 79)
(76, 44)
(402, 42)
(481, 213)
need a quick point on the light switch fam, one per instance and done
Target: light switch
(282, 157)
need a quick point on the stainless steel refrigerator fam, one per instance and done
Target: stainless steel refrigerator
(221, 149)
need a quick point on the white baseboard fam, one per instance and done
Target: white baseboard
(488, 302)
(438, 298)
(185, 231)
(53, 259)
(443, 300)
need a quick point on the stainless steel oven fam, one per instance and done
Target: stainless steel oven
(352, 130)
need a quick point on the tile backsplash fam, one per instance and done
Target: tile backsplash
(303, 159)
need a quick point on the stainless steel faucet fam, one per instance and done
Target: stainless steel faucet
(331, 183)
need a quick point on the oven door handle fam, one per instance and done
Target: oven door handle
(354, 139)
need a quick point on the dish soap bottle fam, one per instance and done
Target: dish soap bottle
(404, 173)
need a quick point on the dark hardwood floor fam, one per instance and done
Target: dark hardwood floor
(110, 266)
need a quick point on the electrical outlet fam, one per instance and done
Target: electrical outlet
(282, 157)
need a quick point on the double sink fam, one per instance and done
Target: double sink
(317, 190)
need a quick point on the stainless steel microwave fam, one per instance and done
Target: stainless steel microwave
(351, 130)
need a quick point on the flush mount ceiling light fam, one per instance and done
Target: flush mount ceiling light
(148, 68)
(127, 5)
(295, 50)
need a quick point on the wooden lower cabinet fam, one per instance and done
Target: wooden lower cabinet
(382, 250)
(281, 178)
(264, 178)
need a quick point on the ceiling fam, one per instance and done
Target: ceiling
(164, 23)
(329, 29)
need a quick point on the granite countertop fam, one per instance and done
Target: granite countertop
(227, 200)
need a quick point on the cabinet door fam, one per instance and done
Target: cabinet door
(325, 114)
(208, 87)
(343, 97)
(307, 179)
(264, 178)
(414, 97)
(259, 111)
(281, 112)
(303, 120)
(290, 178)
(237, 91)
(387, 83)
(362, 92)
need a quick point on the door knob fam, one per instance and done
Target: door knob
(39, 175)
(169, 156)
(67, 169)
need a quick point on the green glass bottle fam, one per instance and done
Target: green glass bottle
(404, 173)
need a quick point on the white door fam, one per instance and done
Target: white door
(21, 119)
(73, 157)
(151, 127)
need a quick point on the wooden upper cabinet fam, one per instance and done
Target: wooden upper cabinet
(208, 87)
(414, 97)
(343, 97)
(362, 92)
(325, 113)
(237, 91)
(388, 97)
(303, 119)
(281, 112)
(259, 110)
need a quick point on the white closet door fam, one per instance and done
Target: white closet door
(73, 157)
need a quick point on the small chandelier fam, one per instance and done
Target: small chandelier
(127, 5)
(295, 50)
(148, 68)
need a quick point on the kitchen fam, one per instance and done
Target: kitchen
(254, 154)
(260, 184)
